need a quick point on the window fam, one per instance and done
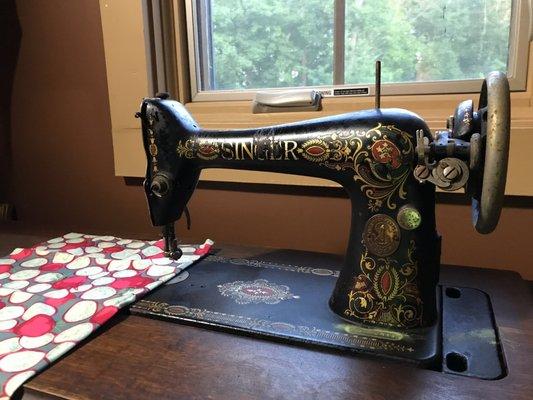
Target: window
(147, 51)
(427, 46)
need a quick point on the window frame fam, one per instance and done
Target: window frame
(517, 68)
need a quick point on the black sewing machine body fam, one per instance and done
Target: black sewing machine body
(389, 163)
(370, 153)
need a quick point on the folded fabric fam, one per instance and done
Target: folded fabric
(55, 294)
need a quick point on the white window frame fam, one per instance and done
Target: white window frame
(517, 67)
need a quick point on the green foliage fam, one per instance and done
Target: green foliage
(375, 30)
(286, 43)
(272, 43)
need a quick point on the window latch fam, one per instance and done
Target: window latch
(287, 101)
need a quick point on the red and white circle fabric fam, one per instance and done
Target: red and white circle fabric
(55, 294)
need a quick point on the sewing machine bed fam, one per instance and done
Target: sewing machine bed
(282, 295)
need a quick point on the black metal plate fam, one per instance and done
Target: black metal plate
(288, 302)
(470, 340)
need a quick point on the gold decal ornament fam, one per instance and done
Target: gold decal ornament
(386, 152)
(152, 149)
(185, 149)
(381, 235)
(208, 151)
(258, 291)
(315, 150)
(380, 159)
(385, 293)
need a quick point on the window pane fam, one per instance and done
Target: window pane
(425, 40)
(254, 44)
(268, 44)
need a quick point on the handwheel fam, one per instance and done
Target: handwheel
(495, 111)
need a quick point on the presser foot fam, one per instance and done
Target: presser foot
(171, 249)
(173, 254)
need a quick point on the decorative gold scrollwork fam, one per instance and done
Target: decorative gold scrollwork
(379, 157)
(381, 165)
(385, 293)
(186, 149)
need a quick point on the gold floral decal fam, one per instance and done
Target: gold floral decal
(186, 149)
(152, 150)
(208, 151)
(315, 150)
(385, 293)
(379, 164)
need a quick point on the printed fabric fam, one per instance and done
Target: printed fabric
(55, 294)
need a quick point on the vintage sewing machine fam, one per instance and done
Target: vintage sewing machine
(386, 300)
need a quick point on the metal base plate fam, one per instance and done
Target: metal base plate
(470, 342)
(288, 302)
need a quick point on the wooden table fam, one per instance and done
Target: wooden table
(141, 358)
